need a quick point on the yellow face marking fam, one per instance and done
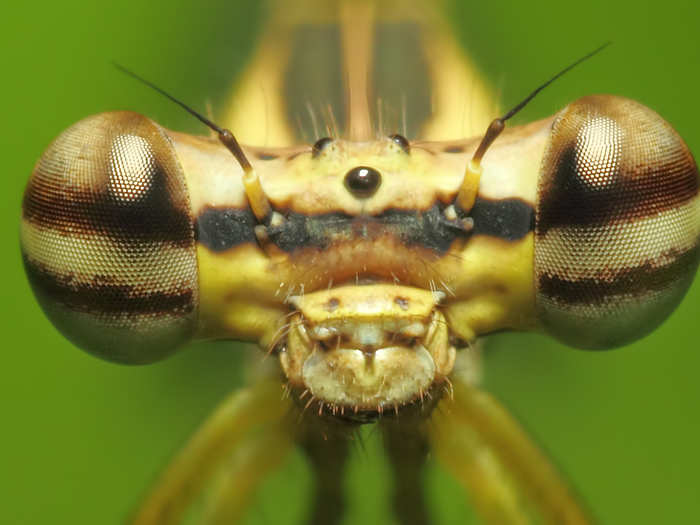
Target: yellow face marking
(365, 303)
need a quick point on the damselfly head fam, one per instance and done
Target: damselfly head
(363, 263)
(367, 347)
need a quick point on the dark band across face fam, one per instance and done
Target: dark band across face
(220, 229)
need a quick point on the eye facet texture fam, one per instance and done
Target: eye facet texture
(108, 241)
(617, 223)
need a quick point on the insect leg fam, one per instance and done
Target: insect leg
(257, 410)
(326, 445)
(406, 445)
(251, 463)
(506, 476)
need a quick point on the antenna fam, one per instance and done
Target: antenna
(251, 182)
(470, 184)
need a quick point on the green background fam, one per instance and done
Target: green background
(80, 439)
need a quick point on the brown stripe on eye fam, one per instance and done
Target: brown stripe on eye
(116, 174)
(610, 161)
(100, 297)
(74, 210)
(640, 280)
(108, 241)
(568, 200)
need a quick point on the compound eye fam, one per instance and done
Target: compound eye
(108, 239)
(401, 142)
(320, 145)
(617, 223)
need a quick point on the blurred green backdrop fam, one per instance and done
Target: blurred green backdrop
(81, 438)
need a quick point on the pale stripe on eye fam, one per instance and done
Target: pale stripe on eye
(601, 251)
(132, 166)
(147, 265)
(599, 152)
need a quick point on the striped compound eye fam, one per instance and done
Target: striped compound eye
(617, 223)
(108, 240)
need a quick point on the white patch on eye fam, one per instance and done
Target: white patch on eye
(131, 168)
(598, 152)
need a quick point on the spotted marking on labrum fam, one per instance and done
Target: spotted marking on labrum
(332, 304)
(402, 302)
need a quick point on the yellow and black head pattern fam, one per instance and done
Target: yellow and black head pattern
(351, 259)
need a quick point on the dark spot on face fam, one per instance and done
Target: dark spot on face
(319, 146)
(401, 142)
(332, 304)
(454, 149)
(362, 181)
(263, 155)
(402, 302)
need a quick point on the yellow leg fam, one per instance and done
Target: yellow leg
(507, 477)
(239, 479)
(255, 411)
